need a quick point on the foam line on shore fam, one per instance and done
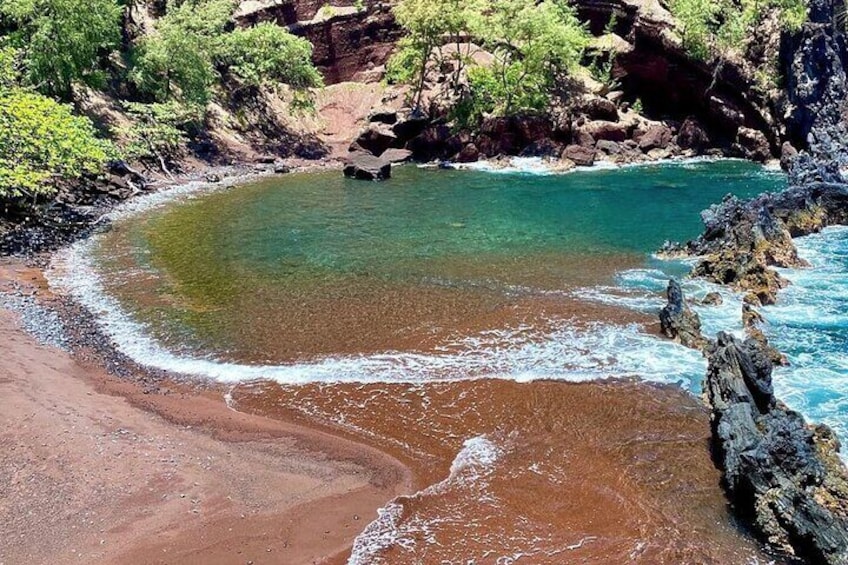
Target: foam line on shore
(569, 351)
(543, 167)
(469, 469)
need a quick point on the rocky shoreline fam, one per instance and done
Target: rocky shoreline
(782, 475)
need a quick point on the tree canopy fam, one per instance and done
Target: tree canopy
(62, 40)
(534, 46)
(195, 41)
(41, 139)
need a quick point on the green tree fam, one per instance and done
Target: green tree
(176, 60)
(62, 40)
(194, 42)
(534, 46)
(429, 25)
(696, 20)
(268, 52)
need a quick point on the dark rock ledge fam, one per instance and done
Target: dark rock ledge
(782, 475)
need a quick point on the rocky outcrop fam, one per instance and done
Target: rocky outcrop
(655, 68)
(751, 321)
(814, 63)
(365, 166)
(678, 321)
(781, 475)
(742, 240)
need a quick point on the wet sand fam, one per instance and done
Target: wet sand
(101, 470)
(601, 472)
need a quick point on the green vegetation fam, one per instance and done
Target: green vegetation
(534, 46)
(62, 41)
(268, 53)
(191, 56)
(177, 60)
(41, 139)
(430, 25)
(193, 43)
(708, 27)
(158, 131)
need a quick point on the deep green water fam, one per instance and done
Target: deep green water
(238, 272)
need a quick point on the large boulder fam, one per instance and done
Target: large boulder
(375, 138)
(656, 136)
(579, 155)
(434, 142)
(692, 136)
(396, 155)
(781, 475)
(365, 166)
(753, 144)
(468, 154)
(409, 125)
(609, 131)
(597, 108)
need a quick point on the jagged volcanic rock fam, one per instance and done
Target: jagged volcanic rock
(678, 321)
(781, 474)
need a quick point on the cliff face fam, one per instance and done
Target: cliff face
(349, 38)
(654, 67)
(814, 63)
(353, 42)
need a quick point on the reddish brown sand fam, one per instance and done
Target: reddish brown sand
(94, 471)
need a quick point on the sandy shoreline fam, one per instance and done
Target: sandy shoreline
(95, 470)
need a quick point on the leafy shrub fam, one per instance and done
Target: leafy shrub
(268, 52)
(177, 60)
(40, 140)
(707, 26)
(62, 40)
(193, 43)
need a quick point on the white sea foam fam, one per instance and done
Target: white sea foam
(643, 290)
(541, 166)
(810, 324)
(469, 469)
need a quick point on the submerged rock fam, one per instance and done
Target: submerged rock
(678, 321)
(782, 475)
(712, 299)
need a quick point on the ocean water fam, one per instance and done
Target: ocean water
(434, 275)
(443, 316)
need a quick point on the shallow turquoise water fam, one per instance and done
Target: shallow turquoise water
(313, 265)
(430, 276)
(323, 222)
(306, 266)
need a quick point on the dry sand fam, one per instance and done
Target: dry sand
(93, 470)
